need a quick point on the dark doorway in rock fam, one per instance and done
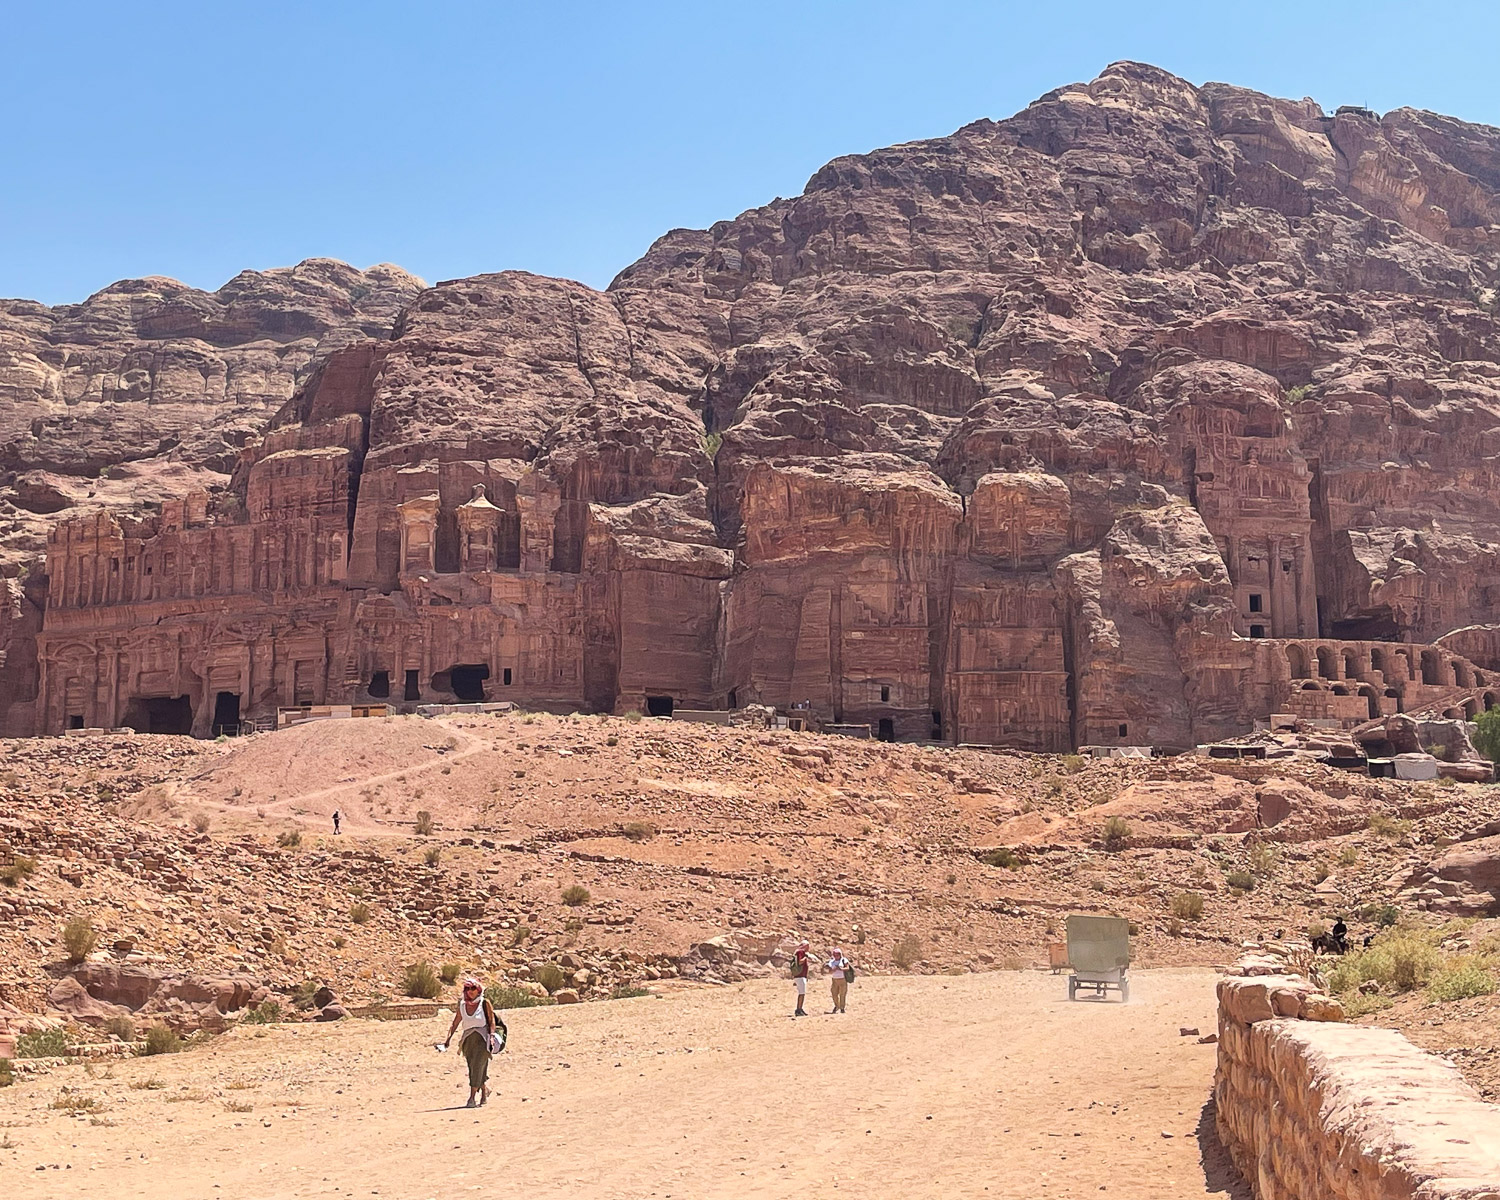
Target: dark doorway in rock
(380, 684)
(75, 720)
(887, 729)
(413, 686)
(734, 698)
(1257, 631)
(658, 706)
(1124, 730)
(160, 714)
(505, 677)
(885, 695)
(937, 725)
(468, 681)
(227, 714)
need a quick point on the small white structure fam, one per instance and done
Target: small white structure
(1416, 766)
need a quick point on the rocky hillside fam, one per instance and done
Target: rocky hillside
(1038, 435)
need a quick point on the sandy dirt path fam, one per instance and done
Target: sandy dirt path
(979, 1085)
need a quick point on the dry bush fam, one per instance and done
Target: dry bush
(76, 1102)
(161, 1040)
(519, 934)
(120, 1027)
(1073, 763)
(550, 976)
(1461, 978)
(433, 855)
(1402, 959)
(238, 1106)
(1383, 825)
(1002, 856)
(1263, 858)
(79, 937)
(575, 895)
(152, 1083)
(1187, 906)
(1241, 881)
(289, 839)
(13, 873)
(908, 951)
(424, 822)
(360, 913)
(420, 980)
(640, 831)
(202, 822)
(1116, 833)
(449, 972)
(1349, 856)
(44, 1043)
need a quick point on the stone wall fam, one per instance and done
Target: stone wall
(1314, 1109)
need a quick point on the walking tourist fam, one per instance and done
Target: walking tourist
(800, 966)
(477, 1020)
(842, 971)
(335, 822)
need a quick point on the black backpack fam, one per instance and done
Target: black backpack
(849, 973)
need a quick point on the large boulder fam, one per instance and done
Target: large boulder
(1462, 881)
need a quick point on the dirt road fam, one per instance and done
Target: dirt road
(938, 1086)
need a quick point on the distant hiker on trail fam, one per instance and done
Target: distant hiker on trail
(800, 966)
(477, 1020)
(842, 971)
(335, 822)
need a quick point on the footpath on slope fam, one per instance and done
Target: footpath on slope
(931, 1086)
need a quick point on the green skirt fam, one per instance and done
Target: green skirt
(476, 1050)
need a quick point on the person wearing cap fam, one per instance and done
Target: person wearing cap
(477, 1020)
(840, 969)
(800, 967)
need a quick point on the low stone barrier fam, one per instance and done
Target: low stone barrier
(1314, 1109)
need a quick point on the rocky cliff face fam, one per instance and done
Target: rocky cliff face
(1144, 413)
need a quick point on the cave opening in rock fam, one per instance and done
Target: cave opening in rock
(658, 706)
(887, 730)
(505, 677)
(380, 685)
(413, 686)
(467, 681)
(160, 714)
(75, 720)
(227, 714)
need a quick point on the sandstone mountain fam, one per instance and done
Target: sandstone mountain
(1144, 414)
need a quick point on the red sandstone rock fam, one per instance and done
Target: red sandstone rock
(1143, 415)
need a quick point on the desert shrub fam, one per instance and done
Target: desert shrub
(1440, 753)
(1298, 393)
(1358, 1004)
(79, 937)
(1384, 915)
(1349, 856)
(627, 991)
(640, 831)
(120, 1027)
(267, 1012)
(1002, 856)
(1263, 858)
(575, 895)
(433, 855)
(634, 715)
(550, 976)
(1320, 872)
(711, 443)
(1242, 880)
(338, 941)
(420, 980)
(449, 972)
(75, 1102)
(1383, 825)
(1072, 763)
(360, 913)
(44, 1043)
(1446, 781)
(289, 839)
(611, 740)
(1116, 833)
(908, 951)
(12, 873)
(1460, 978)
(1487, 734)
(502, 996)
(1187, 906)
(1401, 959)
(1055, 786)
(1174, 928)
(519, 934)
(424, 823)
(161, 1040)
(7, 1074)
(202, 822)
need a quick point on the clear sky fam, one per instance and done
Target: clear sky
(197, 139)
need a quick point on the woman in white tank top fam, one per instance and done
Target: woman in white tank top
(477, 1020)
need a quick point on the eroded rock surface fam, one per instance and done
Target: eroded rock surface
(1148, 412)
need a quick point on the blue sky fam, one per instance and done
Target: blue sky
(194, 140)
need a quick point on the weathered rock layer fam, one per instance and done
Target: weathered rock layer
(1143, 414)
